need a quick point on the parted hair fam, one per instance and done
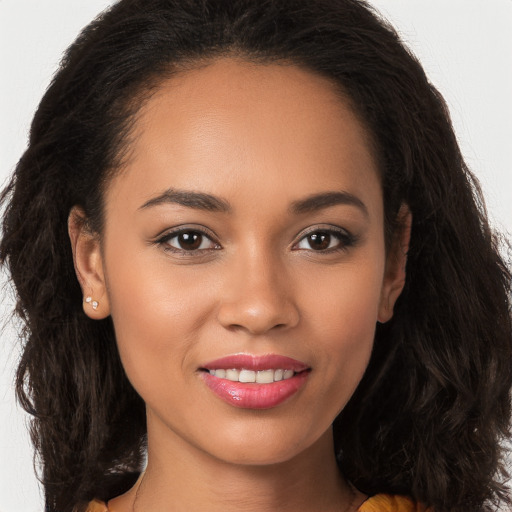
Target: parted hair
(432, 414)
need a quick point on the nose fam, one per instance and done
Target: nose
(258, 297)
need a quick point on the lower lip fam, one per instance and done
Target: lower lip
(252, 395)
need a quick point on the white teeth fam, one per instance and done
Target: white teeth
(265, 376)
(247, 376)
(260, 377)
(232, 375)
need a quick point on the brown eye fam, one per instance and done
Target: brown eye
(325, 240)
(189, 241)
(319, 241)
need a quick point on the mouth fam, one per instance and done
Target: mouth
(248, 376)
(255, 382)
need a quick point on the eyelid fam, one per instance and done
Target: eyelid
(170, 233)
(331, 228)
(347, 239)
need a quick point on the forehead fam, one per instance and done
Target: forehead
(232, 123)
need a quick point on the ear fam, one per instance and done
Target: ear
(88, 265)
(396, 260)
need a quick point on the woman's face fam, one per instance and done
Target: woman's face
(246, 233)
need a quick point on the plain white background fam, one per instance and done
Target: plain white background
(465, 46)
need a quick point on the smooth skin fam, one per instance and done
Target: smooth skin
(283, 253)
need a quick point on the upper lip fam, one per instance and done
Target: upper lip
(256, 363)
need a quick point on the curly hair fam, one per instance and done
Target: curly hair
(432, 413)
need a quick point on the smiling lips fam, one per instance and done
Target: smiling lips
(255, 382)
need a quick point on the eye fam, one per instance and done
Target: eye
(326, 240)
(188, 240)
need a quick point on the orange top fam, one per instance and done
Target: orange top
(391, 503)
(377, 503)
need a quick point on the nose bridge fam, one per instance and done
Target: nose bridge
(260, 296)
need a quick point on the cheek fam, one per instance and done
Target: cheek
(157, 314)
(344, 301)
(343, 320)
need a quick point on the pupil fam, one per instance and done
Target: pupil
(189, 240)
(319, 241)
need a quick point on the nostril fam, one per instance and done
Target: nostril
(234, 327)
(255, 328)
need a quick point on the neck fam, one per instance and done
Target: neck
(182, 477)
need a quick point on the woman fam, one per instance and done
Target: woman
(245, 243)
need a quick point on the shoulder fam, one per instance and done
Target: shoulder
(96, 506)
(391, 503)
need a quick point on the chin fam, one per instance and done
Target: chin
(257, 457)
(264, 446)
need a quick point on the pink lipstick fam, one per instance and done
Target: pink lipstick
(255, 382)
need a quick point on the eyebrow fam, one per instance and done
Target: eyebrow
(323, 200)
(211, 203)
(197, 200)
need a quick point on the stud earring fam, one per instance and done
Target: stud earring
(93, 303)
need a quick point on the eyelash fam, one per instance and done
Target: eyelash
(165, 241)
(345, 240)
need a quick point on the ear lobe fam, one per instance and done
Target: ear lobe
(88, 265)
(396, 260)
